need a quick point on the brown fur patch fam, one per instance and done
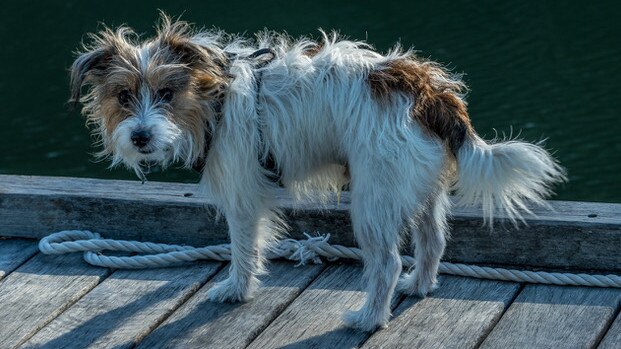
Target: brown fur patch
(312, 51)
(188, 114)
(438, 106)
(112, 114)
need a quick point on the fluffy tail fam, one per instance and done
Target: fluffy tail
(503, 177)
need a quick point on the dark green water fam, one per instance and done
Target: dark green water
(550, 69)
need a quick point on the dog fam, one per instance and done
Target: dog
(312, 116)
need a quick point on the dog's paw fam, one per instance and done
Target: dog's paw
(364, 321)
(230, 291)
(415, 285)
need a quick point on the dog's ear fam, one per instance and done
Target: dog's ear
(206, 64)
(176, 36)
(95, 59)
(89, 65)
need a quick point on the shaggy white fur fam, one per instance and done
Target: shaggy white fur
(317, 117)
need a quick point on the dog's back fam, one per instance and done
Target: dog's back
(332, 102)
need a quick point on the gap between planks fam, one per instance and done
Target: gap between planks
(124, 308)
(14, 253)
(544, 316)
(41, 289)
(87, 322)
(200, 323)
(612, 338)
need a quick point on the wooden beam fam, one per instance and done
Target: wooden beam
(575, 235)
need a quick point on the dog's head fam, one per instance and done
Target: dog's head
(150, 102)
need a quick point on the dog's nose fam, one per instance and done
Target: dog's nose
(140, 138)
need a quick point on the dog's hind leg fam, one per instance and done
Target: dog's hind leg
(429, 229)
(377, 220)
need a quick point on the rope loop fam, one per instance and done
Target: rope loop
(311, 250)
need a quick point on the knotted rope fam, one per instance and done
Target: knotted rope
(303, 251)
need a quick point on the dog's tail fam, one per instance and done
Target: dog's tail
(503, 177)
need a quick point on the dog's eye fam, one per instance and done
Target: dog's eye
(165, 95)
(125, 98)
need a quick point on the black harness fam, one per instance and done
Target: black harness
(267, 161)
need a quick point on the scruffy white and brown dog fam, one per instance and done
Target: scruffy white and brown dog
(253, 114)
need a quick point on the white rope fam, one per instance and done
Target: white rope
(303, 251)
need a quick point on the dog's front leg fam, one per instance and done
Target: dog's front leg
(246, 231)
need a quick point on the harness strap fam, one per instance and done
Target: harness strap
(266, 161)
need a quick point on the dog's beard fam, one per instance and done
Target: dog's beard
(169, 143)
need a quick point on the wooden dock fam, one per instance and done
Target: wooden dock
(62, 302)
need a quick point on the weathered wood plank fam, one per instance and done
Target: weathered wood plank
(200, 323)
(612, 339)
(566, 211)
(35, 293)
(313, 320)
(124, 308)
(555, 317)
(119, 209)
(14, 252)
(575, 235)
(459, 314)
